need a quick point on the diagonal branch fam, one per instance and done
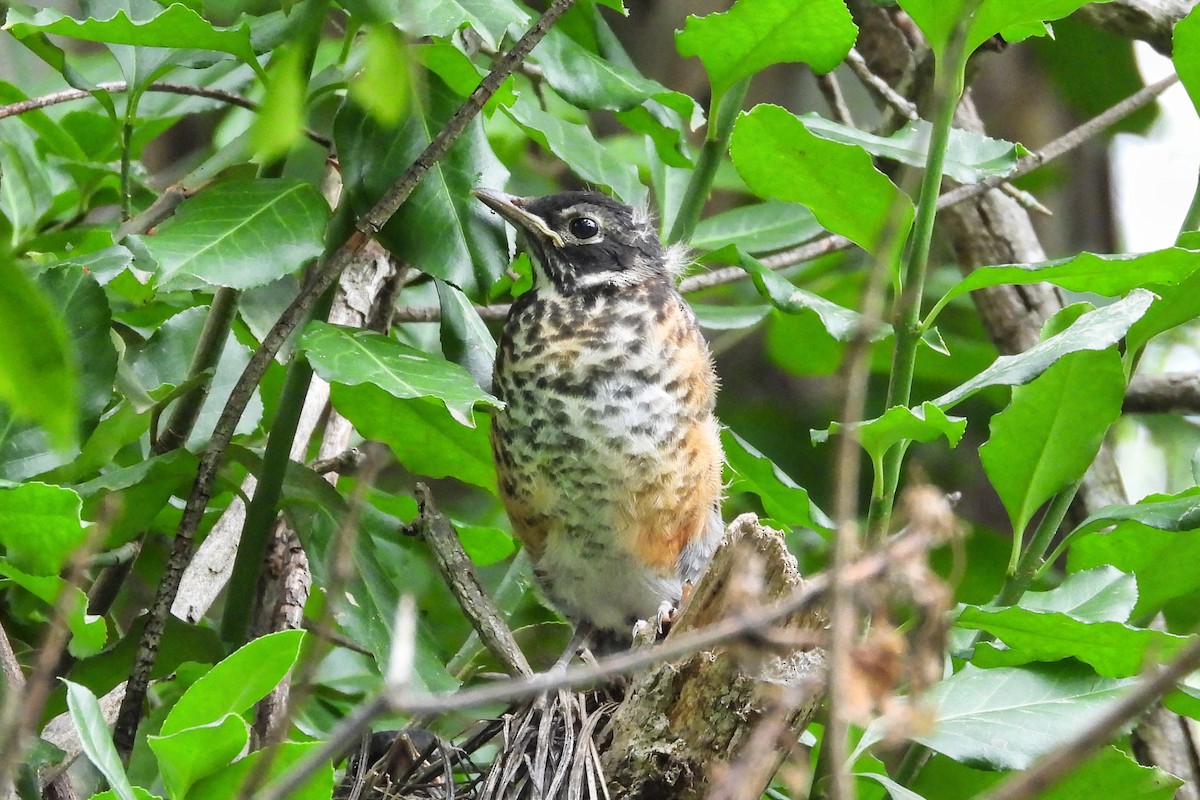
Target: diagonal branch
(327, 273)
(69, 95)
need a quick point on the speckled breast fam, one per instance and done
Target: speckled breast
(607, 452)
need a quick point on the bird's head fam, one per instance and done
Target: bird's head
(582, 241)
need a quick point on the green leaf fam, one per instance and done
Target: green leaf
(138, 792)
(30, 188)
(1176, 305)
(40, 527)
(1186, 54)
(1051, 430)
(466, 340)
(758, 228)
(1098, 329)
(384, 86)
(384, 567)
(1162, 560)
(188, 755)
(129, 498)
(229, 781)
(593, 82)
(1109, 275)
(1113, 649)
(237, 683)
(88, 632)
(181, 642)
(758, 33)
(938, 18)
(176, 26)
(37, 376)
(899, 424)
(841, 323)
(778, 157)
(945, 779)
(1180, 512)
(1005, 718)
(1103, 594)
(441, 229)
(922, 424)
(576, 146)
(279, 124)
(83, 305)
(783, 499)
(96, 740)
(894, 790)
(163, 361)
(491, 19)
(729, 318)
(240, 233)
(354, 357)
(970, 157)
(485, 545)
(421, 433)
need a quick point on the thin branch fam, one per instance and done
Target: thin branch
(1172, 393)
(70, 95)
(459, 573)
(898, 102)
(832, 92)
(343, 463)
(1055, 765)
(833, 243)
(716, 143)
(327, 273)
(1065, 143)
(746, 624)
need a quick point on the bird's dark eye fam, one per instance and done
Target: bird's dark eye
(583, 227)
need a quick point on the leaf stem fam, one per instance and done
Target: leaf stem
(1191, 220)
(720, 130)
(263, 508)
(126, 158)
(948, 84)
(205, 358)
(1027, 564)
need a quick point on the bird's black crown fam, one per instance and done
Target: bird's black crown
(581, 241)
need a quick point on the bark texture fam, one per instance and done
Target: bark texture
(682, 716)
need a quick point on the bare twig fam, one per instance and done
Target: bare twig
(459, 573)
(1055, 765)
(898, 102)
(69, 95)
(1172, 393)
(832, 91)
(1065, 143)
(344, 462)
(323, 278)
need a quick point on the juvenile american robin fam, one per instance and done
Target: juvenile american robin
(607, 451)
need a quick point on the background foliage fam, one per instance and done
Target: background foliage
(151, 233)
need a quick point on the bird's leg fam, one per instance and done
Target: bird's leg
(580, 641)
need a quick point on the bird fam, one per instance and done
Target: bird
(607, 447)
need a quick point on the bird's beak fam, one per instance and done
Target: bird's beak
(512, 208)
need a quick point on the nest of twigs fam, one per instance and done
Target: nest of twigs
(542, 749)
